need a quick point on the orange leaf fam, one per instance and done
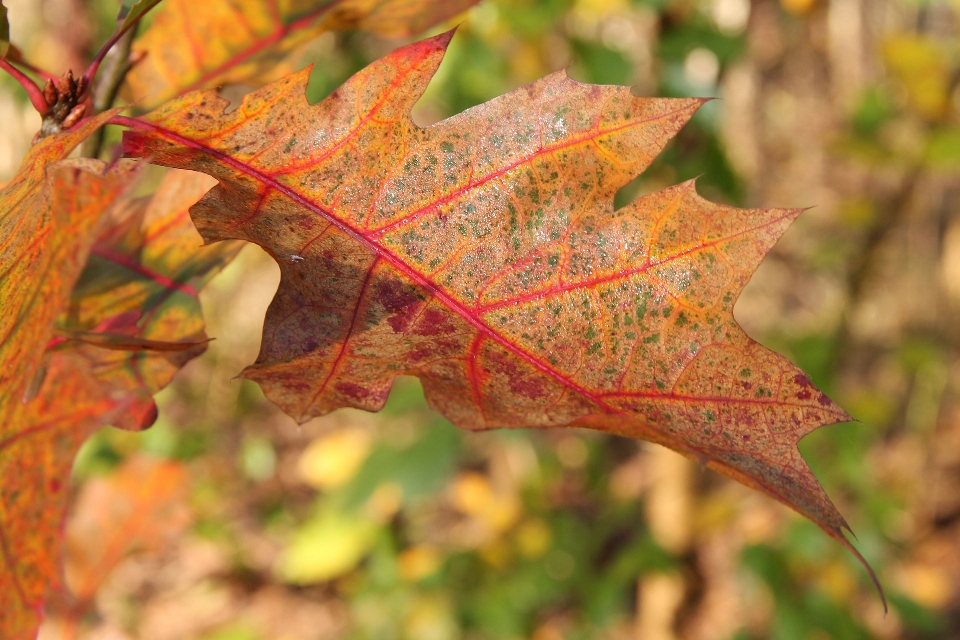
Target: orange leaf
(134, 314)
(48, 215)
(253, 38)
(138, 506)
(483, 255)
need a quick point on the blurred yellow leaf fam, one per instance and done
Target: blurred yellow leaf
(798, 7)
(431, 618)
(473, 495)
(418, 562)
(385, 501)
(334, 458)
(927, 585)
(599, 8)
(921, 65)
(325, 547)
(838, 581)
(496, 554)
(534, 538)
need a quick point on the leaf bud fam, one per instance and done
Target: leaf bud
(74, 116)
(66, 86)
(50, 93)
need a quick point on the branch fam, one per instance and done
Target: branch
(130, 19)
(114, 70)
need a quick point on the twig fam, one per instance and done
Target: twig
(112, 73)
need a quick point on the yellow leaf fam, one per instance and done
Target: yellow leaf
(418, 562)
(326, 547)
(333, 459)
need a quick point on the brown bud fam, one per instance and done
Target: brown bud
(81, 87)
(74, 116)
(66, 86)
(50, 93)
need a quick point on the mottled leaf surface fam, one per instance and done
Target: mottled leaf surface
(47, 221)
(194, 45)
(48, 216)
(483, 255)
(134, 314)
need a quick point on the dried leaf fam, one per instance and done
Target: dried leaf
(483, 255)
(195, 46)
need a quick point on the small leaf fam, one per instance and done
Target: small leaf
(327, 546)
(256, 38)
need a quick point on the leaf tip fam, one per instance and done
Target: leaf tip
(838, 535)
(442, 40)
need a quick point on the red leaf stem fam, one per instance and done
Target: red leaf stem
(33, 91)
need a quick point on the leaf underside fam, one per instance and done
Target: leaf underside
(483, 255)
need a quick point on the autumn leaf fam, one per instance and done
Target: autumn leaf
(46, 224)
(141, 505)
(134, 314)
(136, 294)
(484, 256)
(194, 46)
(35, 462)
(48, 216)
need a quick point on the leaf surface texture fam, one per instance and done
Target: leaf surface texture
(483, 255)
(48, 218)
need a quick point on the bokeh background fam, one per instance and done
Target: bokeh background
(227, 521)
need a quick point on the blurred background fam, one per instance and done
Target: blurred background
(227, 521)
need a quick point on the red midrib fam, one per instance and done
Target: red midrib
(394, 260)
(129, 264)
(384, 253)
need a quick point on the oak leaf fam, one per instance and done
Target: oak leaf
(48, 217)
(484, 256)
(83, 266)
(134, 313)
(194, 46)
